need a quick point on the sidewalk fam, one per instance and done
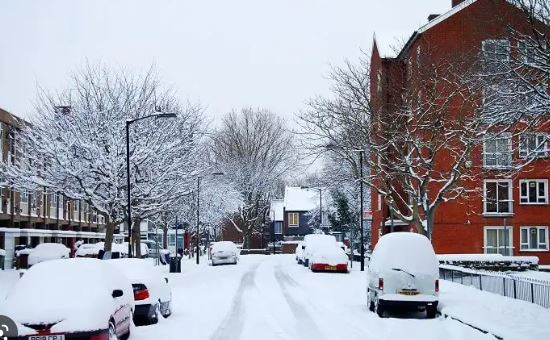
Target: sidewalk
(501, 316)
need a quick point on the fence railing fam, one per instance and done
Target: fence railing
(521, 288)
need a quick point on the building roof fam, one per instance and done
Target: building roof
(10, 119)
(301, 199)
(276, 212)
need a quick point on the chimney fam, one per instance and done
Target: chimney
(432, 16)
(457, 2)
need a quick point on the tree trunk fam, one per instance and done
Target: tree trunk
(165, 237)
(136, 237)
(109, 234)
(429, 225)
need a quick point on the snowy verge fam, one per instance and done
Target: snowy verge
(501, 316)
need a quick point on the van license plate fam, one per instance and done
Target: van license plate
(47, 337)
(408, 292)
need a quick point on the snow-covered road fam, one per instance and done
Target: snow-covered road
(271, 297)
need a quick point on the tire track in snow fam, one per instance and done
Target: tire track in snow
(232, 325)
(308, 328)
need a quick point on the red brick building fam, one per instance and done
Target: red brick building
(519, 222)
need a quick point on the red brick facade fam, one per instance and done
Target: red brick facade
(460, 226)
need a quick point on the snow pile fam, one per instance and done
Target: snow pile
(450, 258)
(73, 294)
(48, 251)
(501, 316)
(404, 250)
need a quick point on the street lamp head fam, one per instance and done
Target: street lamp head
(166, 115)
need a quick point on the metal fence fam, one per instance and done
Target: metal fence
(521, 288)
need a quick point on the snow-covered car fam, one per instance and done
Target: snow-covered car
(152, 294)
(153, 248)
(47, 252)
(403, 272)
(88, 250)
(329, 258)
(123, 247)
(299, 252)
(224, 252)
(314, 242)
(71, 299)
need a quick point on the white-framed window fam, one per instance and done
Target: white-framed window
(498, 240)
(379, 81)
(495, 52)
(379, 202)
(497, 151)
(1, 142)
(497, 197)
(53, 199)
(527, 51)
(24, 196)
(278, 228)
(533, 191)
(534, 238)
(533, 145)
(293, 219)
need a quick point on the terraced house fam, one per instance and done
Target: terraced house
(30, 218)
(510, 212)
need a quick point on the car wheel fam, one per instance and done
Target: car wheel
(112, 332)
(431, 312)
(155, 316)
(370, 304)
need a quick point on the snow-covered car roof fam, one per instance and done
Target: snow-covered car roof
(48, 251)
(315, 240)
(404, 250)
(73, 294)
(224, 245)
(88, 249)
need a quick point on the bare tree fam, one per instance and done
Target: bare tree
(254, 149)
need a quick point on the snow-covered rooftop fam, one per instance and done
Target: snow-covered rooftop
(301, 199)
(276, 210)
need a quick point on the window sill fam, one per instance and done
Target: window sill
(489, 167)
(293, 226)
(498, 214)
(533, 250)
(524, 203)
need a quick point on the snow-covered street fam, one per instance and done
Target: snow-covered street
(272, 297)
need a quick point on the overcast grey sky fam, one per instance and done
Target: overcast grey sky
(224, 54)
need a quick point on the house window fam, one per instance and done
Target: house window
(379, 202)
(11, 146)
(278, 228)
(24, 196)
(497, 196)
(497, 151)
(527, 51)
(534, 238)
(495, 52)
(293, 219)
(498, 240)
(533, 145)
(533, 191)
(53, 200)
(1, 142)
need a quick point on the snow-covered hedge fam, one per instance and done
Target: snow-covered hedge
(489, 261)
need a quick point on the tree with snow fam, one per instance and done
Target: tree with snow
(255, 150)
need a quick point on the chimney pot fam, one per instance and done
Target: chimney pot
(432, 16)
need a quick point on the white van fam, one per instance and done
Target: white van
(403, 272)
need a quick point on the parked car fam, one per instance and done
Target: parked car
(403, 272)
(74, 298)
(88, 250)
(224, 252)
(152, 294)
(153, 248)
(316, 241)
(48, 251)
(299, 252)
(328, 257)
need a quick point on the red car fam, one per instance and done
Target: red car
(71, 299)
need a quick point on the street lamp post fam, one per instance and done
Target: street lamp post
(362, 236)
(128, 123)
(198, 212)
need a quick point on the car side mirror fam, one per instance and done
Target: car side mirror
(166, 279)
(117, 293)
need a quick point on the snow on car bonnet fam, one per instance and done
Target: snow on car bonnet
(405, 250)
